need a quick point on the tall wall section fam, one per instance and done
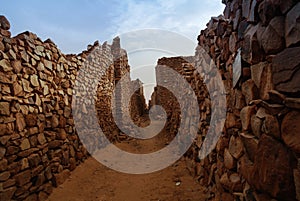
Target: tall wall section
(165, 98)
(138, 107)
(39, 145)
(184, 66)
(256, 47)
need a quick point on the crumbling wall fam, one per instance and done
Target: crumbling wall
(255, 46)
(164, 97)
(138, 107)
(184, 66)
(39, 145)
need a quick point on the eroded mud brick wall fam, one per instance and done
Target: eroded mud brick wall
(39, 145)
(257, 157)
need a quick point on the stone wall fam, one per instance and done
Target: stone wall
(256, 48)
(165, 98)
(39, 145)
(138, 107)
(162, 96)
(255, 45)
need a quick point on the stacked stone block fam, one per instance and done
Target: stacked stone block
(257, 156)
(39, 145)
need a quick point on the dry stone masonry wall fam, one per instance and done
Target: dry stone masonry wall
(184, 66)
(38, 142)
(138, 103)
(255, 46)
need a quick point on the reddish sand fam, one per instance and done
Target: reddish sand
(91, 181)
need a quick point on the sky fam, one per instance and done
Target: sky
(73, 24)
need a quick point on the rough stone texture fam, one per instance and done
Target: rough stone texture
(292, 26)
(23, 178)
(25, 144)
(286, 70)
(290, 130)
(61, 177)
(20, 122)
(251, 49)
(137, 102)
(4, 108)
(7, 194)
(236, 147)
(271, 126)
(250, 144)
(268, 9)
(167, 100)
(256, 125)
(253, 18)
(38, 142)
(266, 84)
(264, 119)
(229, 161)
(292, 102)
(272, 39)
(255, 159)
(250, 91)
(246, 114)
(232, 182)
(4, 23)
(272, 169)
(297, 182)
(279, 98)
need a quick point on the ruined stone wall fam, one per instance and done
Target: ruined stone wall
(126, 106)
(164, 97)
(138, 106)
(184, 66)
(256, 48)
(39, 145)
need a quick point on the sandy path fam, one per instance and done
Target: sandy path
(91, 181)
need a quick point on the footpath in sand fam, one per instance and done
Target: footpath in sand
(91, 181)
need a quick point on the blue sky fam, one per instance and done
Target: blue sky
(72, 24)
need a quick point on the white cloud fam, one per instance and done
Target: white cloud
(182, 16)
(74, 25)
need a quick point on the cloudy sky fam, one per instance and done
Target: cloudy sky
(73, 24)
